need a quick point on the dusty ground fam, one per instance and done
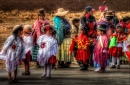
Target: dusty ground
(9, 19)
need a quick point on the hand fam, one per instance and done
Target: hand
(104, 51)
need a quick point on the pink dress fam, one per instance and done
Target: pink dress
(101, 51)
(37, 32)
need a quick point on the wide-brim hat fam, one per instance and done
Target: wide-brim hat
(109, 14)
(27, 29)
(102, 27)
(16, 27)
(61, 12)
(47, 28)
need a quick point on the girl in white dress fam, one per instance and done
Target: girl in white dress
(47, 51)
(28, 44)
(13, 52)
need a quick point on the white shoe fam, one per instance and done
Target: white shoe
(43, 76)
(97, 69)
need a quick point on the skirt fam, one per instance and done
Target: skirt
(116, 52)
(35, 52)
(28, 57)
(63, 52)
(52, 60)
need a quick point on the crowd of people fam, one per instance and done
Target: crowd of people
(93, 43)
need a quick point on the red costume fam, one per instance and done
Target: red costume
(83, 52)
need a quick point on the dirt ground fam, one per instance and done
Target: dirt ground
(9, 19)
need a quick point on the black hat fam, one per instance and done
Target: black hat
(102, 27)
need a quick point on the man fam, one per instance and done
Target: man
(88, 23)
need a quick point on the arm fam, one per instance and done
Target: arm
(7, 44)
(84, 24)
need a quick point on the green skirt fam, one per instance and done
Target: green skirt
(63, 54)
(35, 52)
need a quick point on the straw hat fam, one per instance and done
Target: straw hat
(61, 12)
(27, 29)
(109, 13)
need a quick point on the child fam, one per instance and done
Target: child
(38, 24)
(13, 52)
(28, 48)
(47, 51)
(83, 53)
(116, 51)
(75, 27)
(101, 49)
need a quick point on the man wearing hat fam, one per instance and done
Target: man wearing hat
(108, 21)
(88, 23)
(101, 49)
(62, 27)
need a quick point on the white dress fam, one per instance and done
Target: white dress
(28, 44)
(12, 52)
(48, 47)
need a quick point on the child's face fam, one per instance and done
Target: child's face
(119, 29)
(77, 24)
(49, 32)
(90, 13)
(41, 17)
(81, 31)
(99, 32)
(20, 33)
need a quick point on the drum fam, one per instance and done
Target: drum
(64, 58)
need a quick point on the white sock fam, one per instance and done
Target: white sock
(118, 61)
(45, 70)
(114, 60)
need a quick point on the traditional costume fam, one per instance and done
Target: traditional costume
(62, 27)
(83, 52)
(117, 51)
(13, 52)
(47, 52)
(101, 55)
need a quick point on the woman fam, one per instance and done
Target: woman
(62, 27)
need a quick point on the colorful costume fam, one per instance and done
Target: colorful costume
(63, 27)
(13, 52)
(83, 52)
(48, 49)
(101, 51)
(117, 51)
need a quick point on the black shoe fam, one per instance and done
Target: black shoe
(113, 66)
(84, 69)
(38, 66)
(118, 67)
(26, 73)
(15, 81)
(10, 81)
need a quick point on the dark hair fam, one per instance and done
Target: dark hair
(125, 19)
(41, 12)
(54, 32)
(75, 20)
(104, 31)
(50, 29)
(109, 18)
(16, 30)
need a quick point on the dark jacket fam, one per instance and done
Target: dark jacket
(85, 21)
